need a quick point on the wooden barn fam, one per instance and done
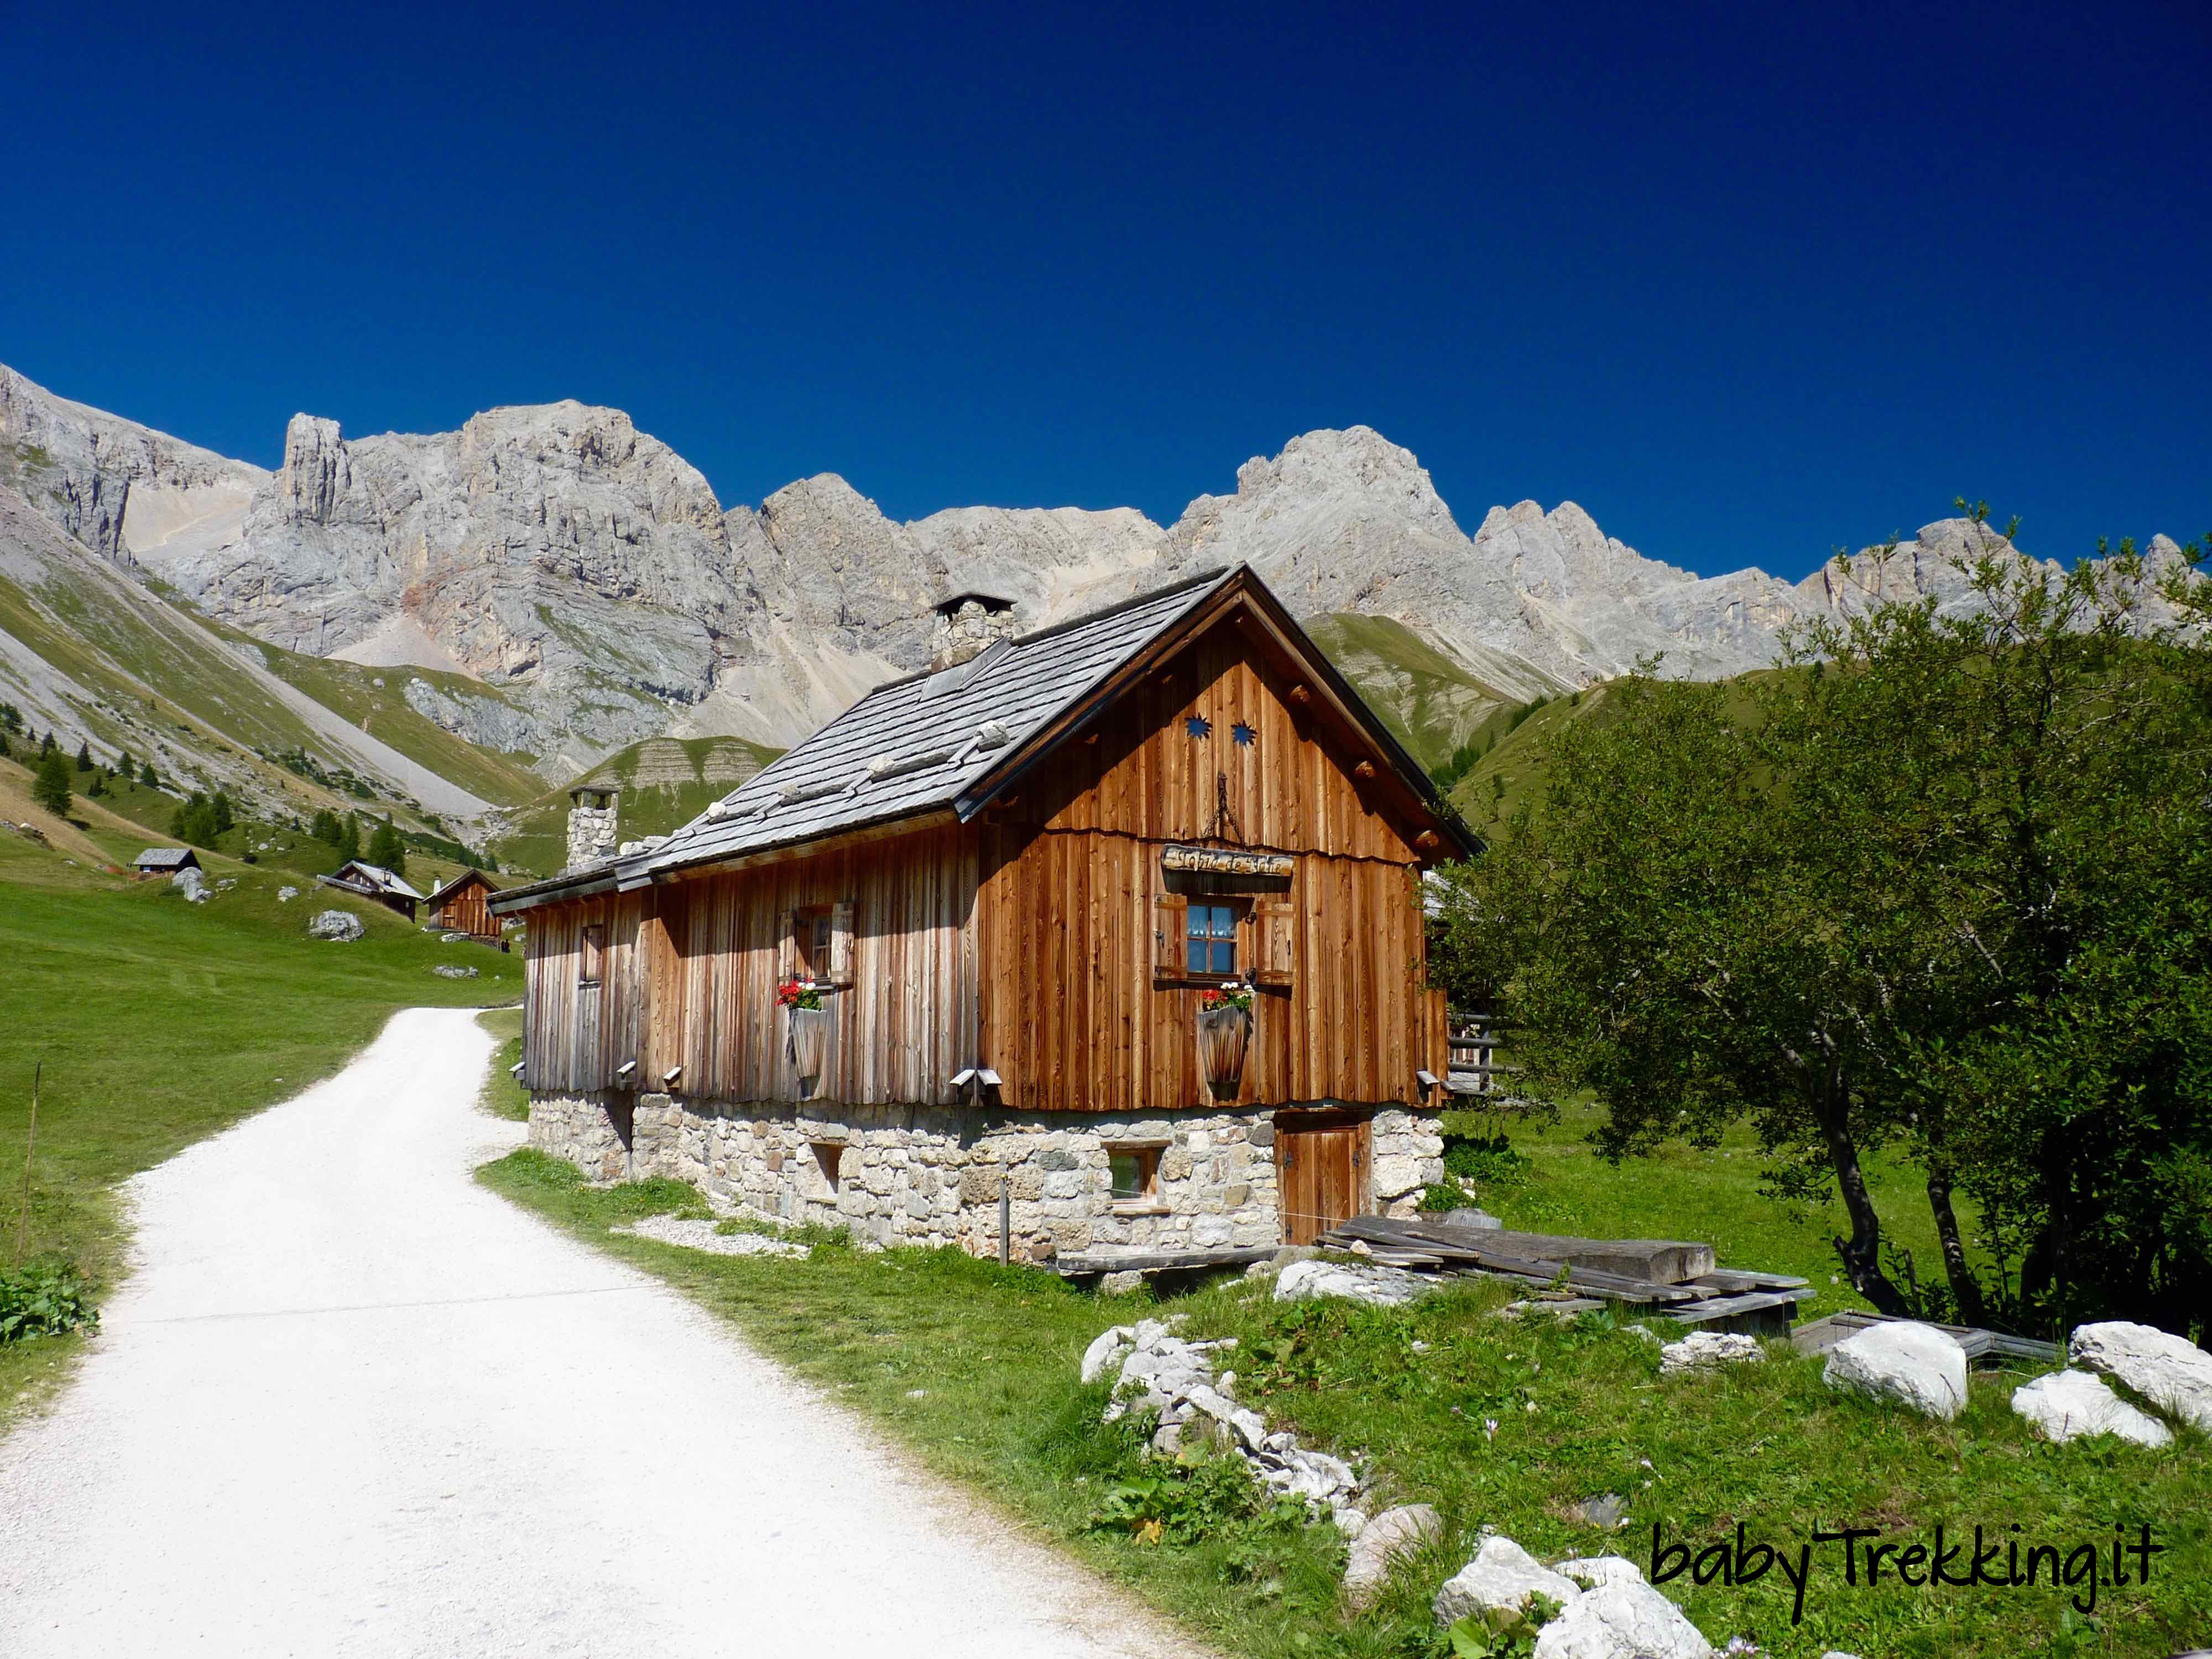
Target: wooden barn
(374, 882)
(1121, 919)
(462, 906)
(165, 861)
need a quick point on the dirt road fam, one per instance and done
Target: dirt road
(351, 1403)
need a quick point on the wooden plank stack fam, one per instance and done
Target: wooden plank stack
(1638, 1275)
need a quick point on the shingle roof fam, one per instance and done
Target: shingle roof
(941, 742)
(382, 877)
(919, 743)
(164, 857)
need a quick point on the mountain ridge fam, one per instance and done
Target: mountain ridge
(568, 585)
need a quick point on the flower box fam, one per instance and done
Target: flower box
(809, 1029)
(1225, 1037)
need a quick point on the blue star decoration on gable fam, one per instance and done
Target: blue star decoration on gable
(1198, 726)
(1243, 733)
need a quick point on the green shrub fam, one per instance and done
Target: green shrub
(1197, 1498)
(43, 1300)
(1439, 1198)
(1490, 1159)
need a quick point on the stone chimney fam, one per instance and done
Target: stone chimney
(967, 623)
(591, 826)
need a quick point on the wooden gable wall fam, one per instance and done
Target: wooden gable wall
(1077, 917)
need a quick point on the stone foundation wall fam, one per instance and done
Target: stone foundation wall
(931, 1175)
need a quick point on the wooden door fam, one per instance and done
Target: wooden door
(1321, 1160)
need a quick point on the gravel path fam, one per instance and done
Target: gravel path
(352, 1403)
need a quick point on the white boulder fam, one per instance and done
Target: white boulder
(1501, 1578)
(1597, 1572)
(1380, 1544)
(2067, 1405)
(342, 926)
(1625, 1621)
(1913, 1365)
(2170, 1371)
(1378, 1288)
(1707, 1350)
(192, 886)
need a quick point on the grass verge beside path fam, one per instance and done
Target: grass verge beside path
(501, 1095)
(160, 1023)
(973, 1367)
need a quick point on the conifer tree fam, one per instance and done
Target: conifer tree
(84, 757)
(51, 789)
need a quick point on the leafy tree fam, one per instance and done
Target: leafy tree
(1941, 885)
(325, 828)
(220, 813)
(386, 848)
(51, 787)
(84, 757)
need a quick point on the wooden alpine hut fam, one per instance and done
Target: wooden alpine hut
(376, 883)
(462, 906)
(1122, 919)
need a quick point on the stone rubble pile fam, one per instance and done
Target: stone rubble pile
(692, 1234)
(1377, 1287)
(1175, 1380)
(1606, 1610)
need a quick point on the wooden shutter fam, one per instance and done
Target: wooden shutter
(786, 946)
(1274, 940)
(840, 943)
(1171, 922)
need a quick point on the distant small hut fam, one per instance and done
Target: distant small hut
(374, 882)
(461, 906)
(165, 861)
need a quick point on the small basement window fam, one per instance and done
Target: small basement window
(592, 958)
(1210, 938)
(829, 1154)
(1136, 1171)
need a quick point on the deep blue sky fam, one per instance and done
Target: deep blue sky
(1749, 284)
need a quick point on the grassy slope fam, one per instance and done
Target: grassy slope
(375, 700)
(121, 642)
(974, 1367)
(682, 776)
(1430, 700)
(1681, 1191)
(160, 1023)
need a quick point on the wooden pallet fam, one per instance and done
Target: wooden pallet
(1716, 1299)
(1983, 1347)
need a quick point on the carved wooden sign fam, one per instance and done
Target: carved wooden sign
(1224, 861)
